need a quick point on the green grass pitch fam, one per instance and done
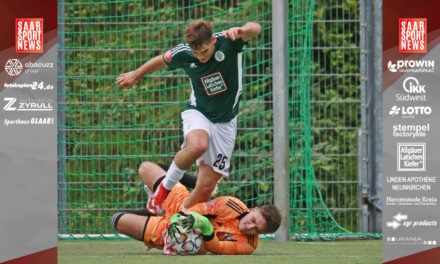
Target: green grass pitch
(268, 251)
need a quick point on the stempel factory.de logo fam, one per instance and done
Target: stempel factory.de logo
(29, 35)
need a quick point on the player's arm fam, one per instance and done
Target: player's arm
(246, 32)
(129, 79)
(239, 247)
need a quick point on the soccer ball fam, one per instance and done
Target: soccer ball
(189, 243)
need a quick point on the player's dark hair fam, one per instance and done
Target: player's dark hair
(272, 216)
(198, 33)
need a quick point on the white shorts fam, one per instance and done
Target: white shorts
(221, 139)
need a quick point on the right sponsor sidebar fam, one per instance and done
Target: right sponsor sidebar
(411, 130)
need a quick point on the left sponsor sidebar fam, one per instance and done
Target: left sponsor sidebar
(28, 144)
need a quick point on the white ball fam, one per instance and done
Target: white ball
(189, 243)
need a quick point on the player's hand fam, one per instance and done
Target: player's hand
(177, 217)
(167, 248)
(127, 79)
(233, 33)
(195, 220)
(174, 231)
(175, 227)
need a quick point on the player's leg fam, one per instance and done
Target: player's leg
(135, 224)
(151, 173)
(196, 143)
(131, 225)
(206, 181)
(215, 163)
(196, 130)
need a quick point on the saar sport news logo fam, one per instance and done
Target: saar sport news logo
(29, 35)
(412, 35)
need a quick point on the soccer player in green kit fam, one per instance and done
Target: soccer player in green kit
(213, 65)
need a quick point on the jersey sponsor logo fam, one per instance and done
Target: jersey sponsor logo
(227, 237)
(193, 65)
(214, 83)
(211, 204)
(168, 57)
(219, 56)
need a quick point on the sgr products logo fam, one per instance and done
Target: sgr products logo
(414, 90)
(412, 35)
(12, 104)
(402, 220)
(411, 156)
(397, 220)
(13, 67)
(29, 35)
(411, 66)
(410, 111)
(411, 131)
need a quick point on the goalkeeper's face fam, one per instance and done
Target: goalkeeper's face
(253, 223)
(205, 51)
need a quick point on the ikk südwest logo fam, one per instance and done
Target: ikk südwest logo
(29, 35)
(412, 35)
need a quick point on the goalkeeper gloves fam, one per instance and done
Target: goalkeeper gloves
(195, 220)
(174, 229)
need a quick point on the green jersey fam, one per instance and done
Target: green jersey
(217, 84)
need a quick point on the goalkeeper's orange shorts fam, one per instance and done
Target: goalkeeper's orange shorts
(175, 200)
(157, 224)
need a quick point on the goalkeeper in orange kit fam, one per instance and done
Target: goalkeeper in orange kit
(227, 225)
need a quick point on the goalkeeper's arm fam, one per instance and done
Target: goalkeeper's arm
(239, 247)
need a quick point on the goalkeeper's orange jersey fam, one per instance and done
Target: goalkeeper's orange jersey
(225, 214)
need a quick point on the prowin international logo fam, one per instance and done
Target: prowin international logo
(411, 66)
(415, 91)
(13, 67)
(410, 111)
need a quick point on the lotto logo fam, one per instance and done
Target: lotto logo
(29, 35)
(412, 35)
